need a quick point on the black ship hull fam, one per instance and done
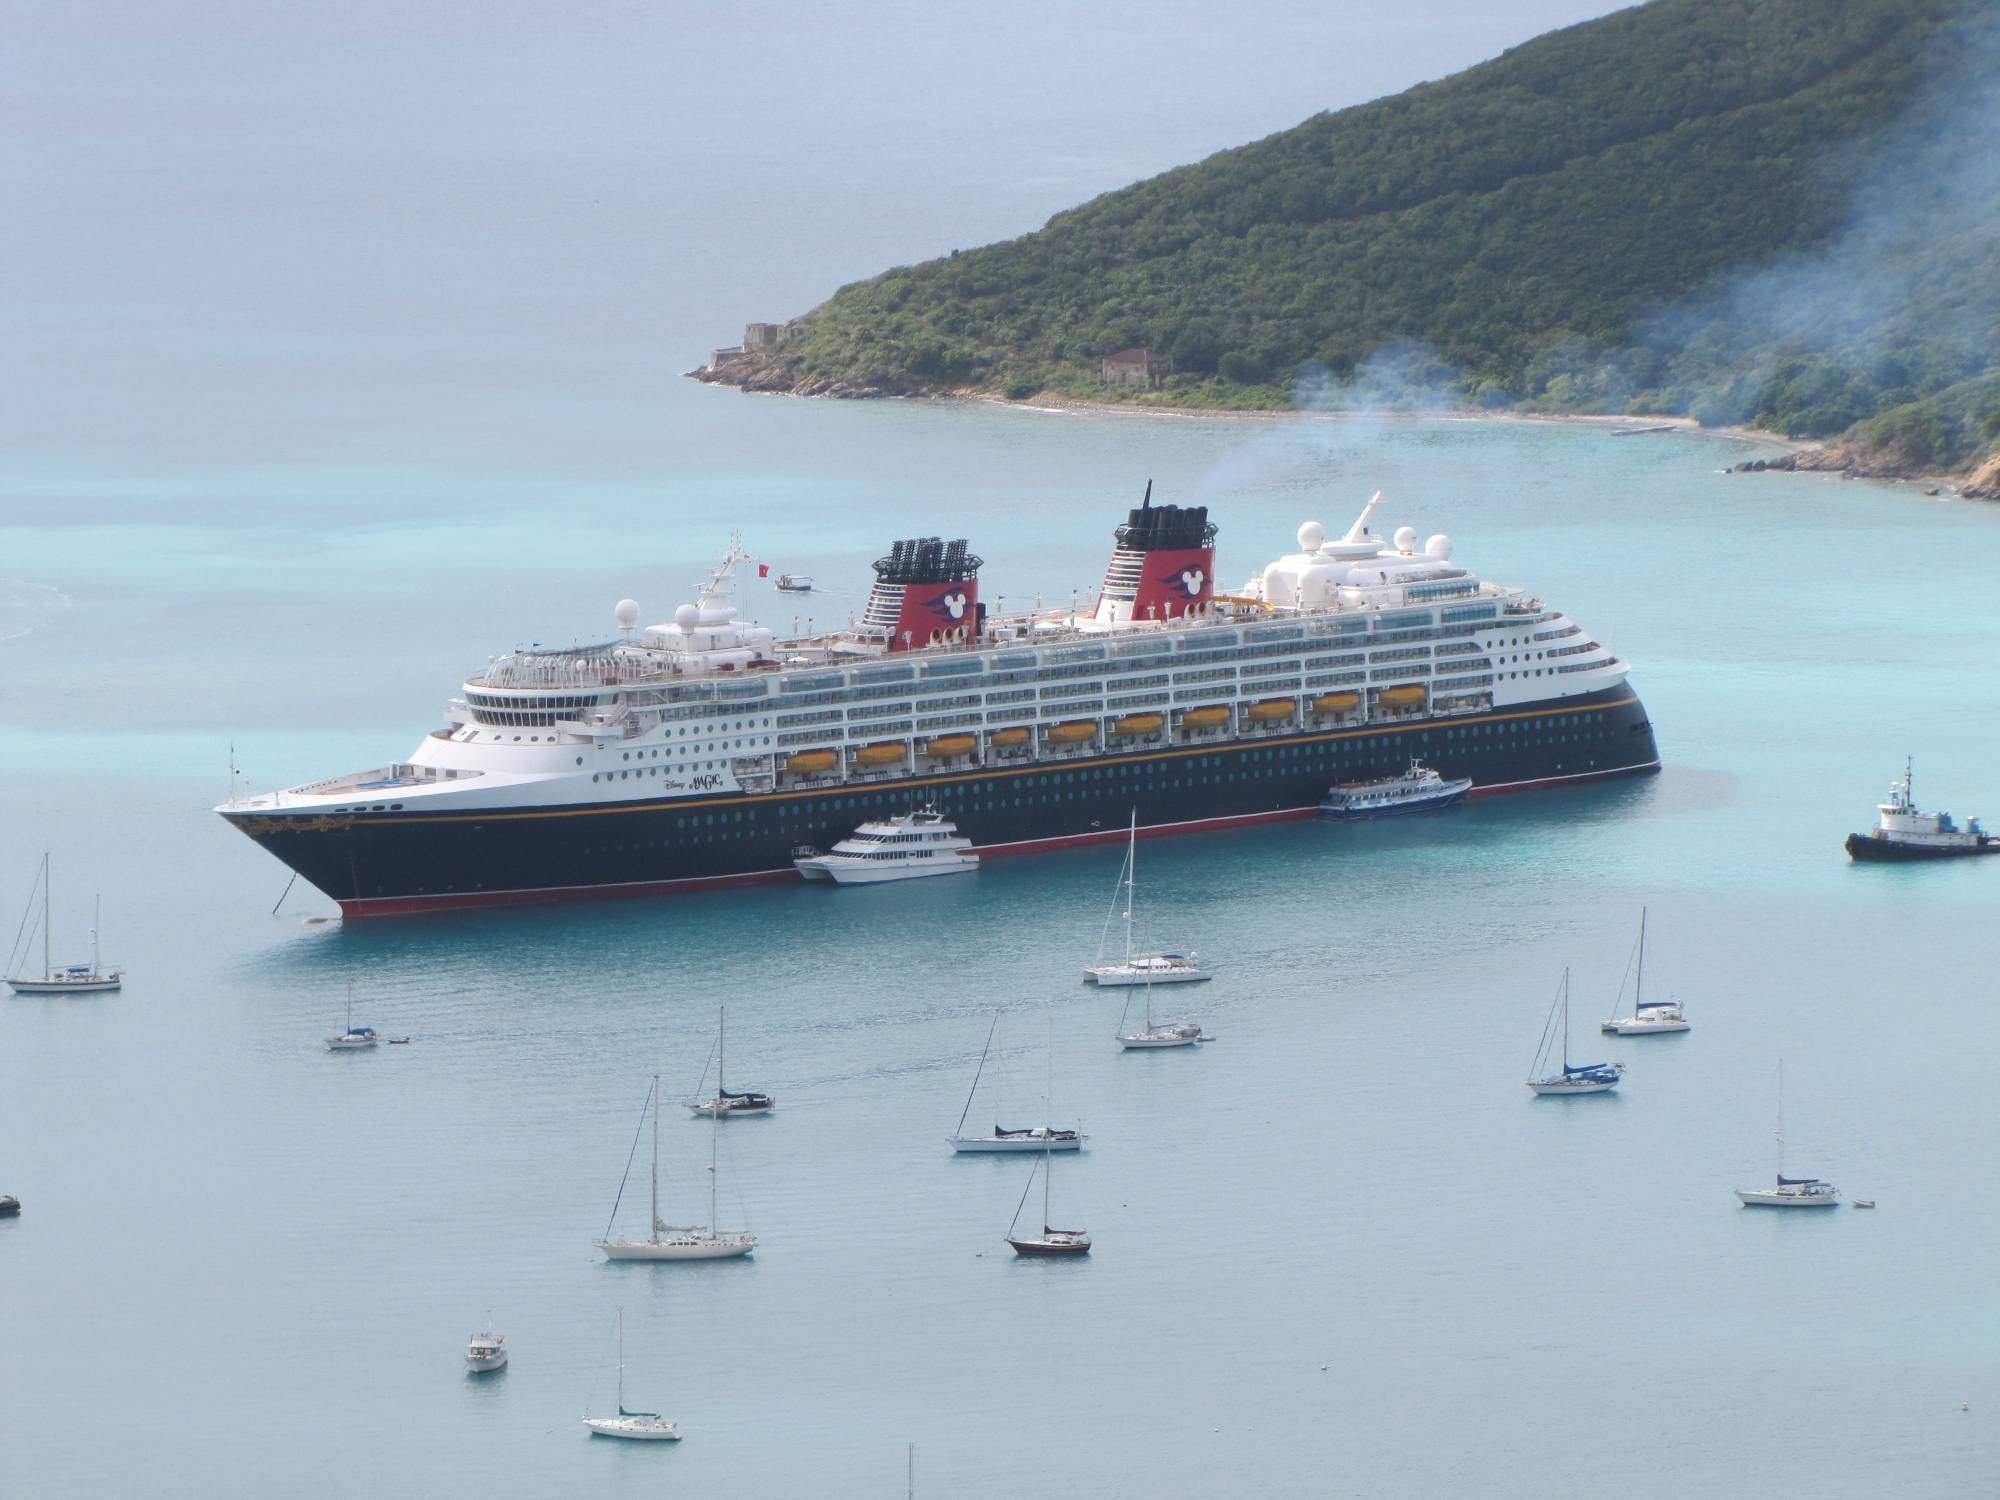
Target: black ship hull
(386, 863)
(1887, 851)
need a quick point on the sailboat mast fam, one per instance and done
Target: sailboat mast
(721, 1053)
(1781, 1119)
(621, 1361)
(1639, 985)
(974, 1090)
(48, 912)
(1045, 1186)
(96, 916)
(1131, 882)
(654, 1232)
(1565, 1010)
(714, 1139)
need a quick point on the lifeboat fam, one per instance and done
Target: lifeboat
(1138, 724)
(1271, 711)
(1002, 739)
(810, 762)
(886, 753)
(1072, 733)
(1204, 718)
(949, 744)
(1401, 697)
(1336, 703)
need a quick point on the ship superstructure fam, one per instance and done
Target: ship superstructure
(708, 749)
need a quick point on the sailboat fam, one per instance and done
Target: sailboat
(647, 1426)
(1788, 1192)
(674, 1241)
(1043, 1137)
(724, 1102)
(1160, 1034)
(1584, 1078)
(1648, 1017)
(1050, 1241)
(73, 979)
(352, 1037)
(1136, 967)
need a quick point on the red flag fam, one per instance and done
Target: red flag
(763, 570)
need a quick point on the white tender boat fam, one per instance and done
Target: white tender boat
(1135, 967)
(1584, 1078)
(1649, 1017)
(642, 1426)
(675, 1241)
(903, 848)
(485, 1351)
(1415, 790)
(726, 1104)
(71, 979)
(1788, 1192)
(1042, 1138)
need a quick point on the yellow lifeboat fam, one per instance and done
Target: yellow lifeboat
(1138, 724)
(1002, 739)
(1074, 732)
(1271, 711)
(1401, 697)
(1336, 703)
(886, 753)
(949, 744)
(810, 762)
(1204, 718)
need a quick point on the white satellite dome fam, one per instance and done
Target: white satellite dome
(687, 616)
(626, 613)
(1439, 546)
(1312, 536)
(1406, 538)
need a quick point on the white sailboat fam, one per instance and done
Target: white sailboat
(1156, 1034)
(1584, 1078)
(1043, 1137)
(645, 1426)
(1788, 1192)
(675, 1241)
(749, 1102)
(72, 979)
(352, 1038)
(1649, 1017)
(1136, 967)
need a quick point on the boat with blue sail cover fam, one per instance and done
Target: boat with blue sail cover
(1565, 1077)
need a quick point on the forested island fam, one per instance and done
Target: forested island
(1778, 213)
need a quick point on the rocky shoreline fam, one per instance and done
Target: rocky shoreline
(777, 372)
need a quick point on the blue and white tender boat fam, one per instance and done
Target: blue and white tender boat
(1564, 1077)
(1415, 790)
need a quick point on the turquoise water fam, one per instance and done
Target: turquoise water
(341, 354)
(265, 1259)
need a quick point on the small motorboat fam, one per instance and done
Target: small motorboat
(1415, 790)
(793, 583)
(9, 1205)
(485, 1351)
(1864, 1202)
(905, 848)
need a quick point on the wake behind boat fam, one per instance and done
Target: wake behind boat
(1416, 790)
(903, 848)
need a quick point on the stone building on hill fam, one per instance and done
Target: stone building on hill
(1137, 369)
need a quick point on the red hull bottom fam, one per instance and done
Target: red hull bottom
(394, 906)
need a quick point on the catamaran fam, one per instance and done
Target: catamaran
(1135, 967)
(645, 1426)
(1584, 1078)
(674, 1241)
(1788, 1192)
(749, 1102)
(72, 979)
(1648, 1017)
(1043, 1137)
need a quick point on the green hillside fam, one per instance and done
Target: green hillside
(1747, 210)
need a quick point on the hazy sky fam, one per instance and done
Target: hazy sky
(235, 232)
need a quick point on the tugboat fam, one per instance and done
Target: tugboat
(1903, 832)
(1416, 789)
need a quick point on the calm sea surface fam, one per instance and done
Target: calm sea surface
(349, 360)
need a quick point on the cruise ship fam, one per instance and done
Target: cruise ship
(708, 750)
